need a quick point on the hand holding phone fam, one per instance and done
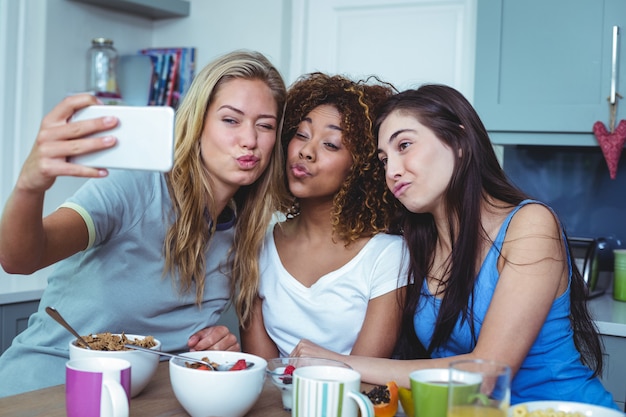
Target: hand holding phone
(145, 138)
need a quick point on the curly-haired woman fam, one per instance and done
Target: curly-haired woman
(329, 272)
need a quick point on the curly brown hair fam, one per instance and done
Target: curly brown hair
(360, 208)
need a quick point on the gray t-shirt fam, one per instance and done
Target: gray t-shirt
(117, 284)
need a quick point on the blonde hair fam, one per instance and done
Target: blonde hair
(189, 183)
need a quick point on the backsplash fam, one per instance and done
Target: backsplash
(575, 182)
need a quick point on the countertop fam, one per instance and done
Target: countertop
(609, 314)
(21, 288)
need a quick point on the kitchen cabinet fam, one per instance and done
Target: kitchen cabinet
(14, 319)
(614, 373)
(543, 69)
(153, 9)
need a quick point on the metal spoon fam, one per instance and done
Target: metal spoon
(59, 319)
(171, 355)
(221, 367)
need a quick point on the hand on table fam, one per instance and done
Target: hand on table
(309, 349)
(214, 338)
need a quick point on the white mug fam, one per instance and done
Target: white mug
(328, 391)
(97, 387)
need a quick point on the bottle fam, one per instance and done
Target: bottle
(102, 69)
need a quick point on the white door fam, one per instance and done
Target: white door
(405, 42)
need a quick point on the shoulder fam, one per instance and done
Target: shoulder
(137, 179)
(386, 239)
(533, 233)
(386, 248)
(534, 218)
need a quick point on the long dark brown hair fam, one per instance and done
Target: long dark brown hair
(477, 175)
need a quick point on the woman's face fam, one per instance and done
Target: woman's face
(239, 134)
(418, 166)
(317, 160)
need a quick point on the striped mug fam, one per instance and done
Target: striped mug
(328, 391)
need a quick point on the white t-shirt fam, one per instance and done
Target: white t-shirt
(331, 312)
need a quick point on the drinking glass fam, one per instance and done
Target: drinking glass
(479, 388)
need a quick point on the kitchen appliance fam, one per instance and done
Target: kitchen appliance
(594, 259)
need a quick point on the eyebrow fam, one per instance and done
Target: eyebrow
(236, 110)
(331, 126)
(395, 135)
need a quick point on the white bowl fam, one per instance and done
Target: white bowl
(587, 410)
(217, 393)
(143, 365)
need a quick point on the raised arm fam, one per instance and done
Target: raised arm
(28, 242)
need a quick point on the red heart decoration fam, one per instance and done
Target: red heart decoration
(611, 144)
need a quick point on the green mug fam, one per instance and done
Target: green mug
(619, 275)
(429, 391)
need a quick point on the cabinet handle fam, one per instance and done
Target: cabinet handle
(612, 98)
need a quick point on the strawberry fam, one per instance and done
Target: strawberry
(287, 379)
(239, 365)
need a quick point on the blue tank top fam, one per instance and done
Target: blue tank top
(552, 369)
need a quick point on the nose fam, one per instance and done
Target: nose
(393, 169)
(307, 152)
(248, 136)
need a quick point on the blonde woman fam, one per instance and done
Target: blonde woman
(145, 252)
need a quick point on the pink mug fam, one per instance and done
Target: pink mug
(97, 387)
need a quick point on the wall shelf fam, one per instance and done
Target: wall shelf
(152, 9)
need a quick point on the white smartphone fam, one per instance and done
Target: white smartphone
(145, 138)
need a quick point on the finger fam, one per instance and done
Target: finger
(206, 338)
(75, 130)
(228, 342)
(63, 111)
(235, 347)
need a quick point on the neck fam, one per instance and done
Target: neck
(314, 218)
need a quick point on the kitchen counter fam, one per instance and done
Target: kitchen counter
(21, 288)
(609, 315)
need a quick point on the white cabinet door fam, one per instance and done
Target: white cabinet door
(405, 42)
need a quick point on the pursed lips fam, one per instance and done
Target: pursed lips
(248, 161)
(299, 171)
(399, 188)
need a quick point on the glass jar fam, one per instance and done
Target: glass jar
(102, 68)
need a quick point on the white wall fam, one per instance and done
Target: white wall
(217, 27)
(43, 46)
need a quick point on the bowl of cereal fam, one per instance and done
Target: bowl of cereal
(143, 365)
(203, 392)
(562, 409)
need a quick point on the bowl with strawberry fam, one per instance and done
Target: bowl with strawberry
(229, 387)
(280, 371)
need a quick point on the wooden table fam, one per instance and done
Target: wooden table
(157, 399)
